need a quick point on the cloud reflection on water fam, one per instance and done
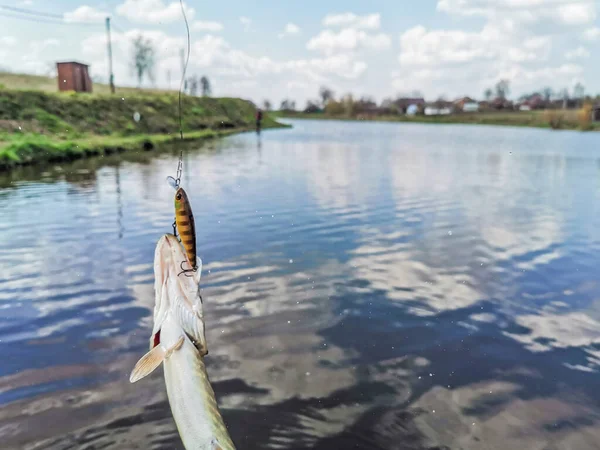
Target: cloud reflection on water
(353, 285)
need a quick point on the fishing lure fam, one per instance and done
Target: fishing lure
(184, 219)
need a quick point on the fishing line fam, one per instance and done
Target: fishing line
(187, 59)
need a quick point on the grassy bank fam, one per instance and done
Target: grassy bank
(28, 82)
(566, 120)
(37, 126)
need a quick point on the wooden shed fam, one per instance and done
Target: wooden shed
(73, 76)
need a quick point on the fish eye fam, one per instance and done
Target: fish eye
(178, 197)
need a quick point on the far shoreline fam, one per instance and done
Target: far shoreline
(524, 119)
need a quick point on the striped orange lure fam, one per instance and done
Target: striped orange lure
(184, 219)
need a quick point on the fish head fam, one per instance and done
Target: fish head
(177, 293)
(181, 198)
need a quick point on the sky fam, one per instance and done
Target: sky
(277, 49)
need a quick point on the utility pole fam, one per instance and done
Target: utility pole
(111, 77)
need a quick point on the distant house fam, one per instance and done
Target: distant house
(535, 101)
(73, 76)
(596, 113)
(435, 111)
(412, 110)
(460, 103)
(404, 103)
(470, 107)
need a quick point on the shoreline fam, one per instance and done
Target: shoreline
(529, 119)
(37, 149)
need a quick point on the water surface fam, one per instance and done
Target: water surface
(376, 286)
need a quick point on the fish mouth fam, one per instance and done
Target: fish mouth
(175, 292)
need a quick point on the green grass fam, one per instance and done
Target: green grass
(30, 149)
(38, 126)
(26, 82)
(537, 119)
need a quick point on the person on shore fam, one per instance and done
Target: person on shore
(259, 116)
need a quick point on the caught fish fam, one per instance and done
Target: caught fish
(178, 342)
(184, 219)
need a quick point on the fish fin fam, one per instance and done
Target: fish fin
(151, 360)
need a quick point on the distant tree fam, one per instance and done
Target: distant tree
(440, 102)
(564, 95)
(312, 107)
(488, 94)
(205, 83)
(334, 108)
(143, 59)
(326, 94)
(348, 104)
(267, 105)
(579, 92)
(193, 85)
(502, 89)
(287, 105)
(547, 91)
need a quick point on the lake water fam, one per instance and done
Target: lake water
(366, 285)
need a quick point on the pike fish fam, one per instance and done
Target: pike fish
(178, 341)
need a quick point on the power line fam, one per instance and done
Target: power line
(31, 12)
(117, 28)
(39, 16)
(49, 21)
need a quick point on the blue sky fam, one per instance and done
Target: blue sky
(277, 49)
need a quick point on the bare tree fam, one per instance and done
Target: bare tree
(564, 94)
(579, 92)
(326, 94)
(267, 105)
(311, 106)
(503, 88)
(547, 91)
(206, 89)
(488, 94)
(193, 85)
(143, 60)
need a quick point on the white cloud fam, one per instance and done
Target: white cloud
(516, 42)
(369, 21)
(570, 13)
(592, 34)
(246, 22)
(290, 29)
(507, 46)
(153, 11)
(578, 53)
(422, 47)
(200, 25)
(85, 14)
(329, 41)
(8, 41)
(215, 52)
